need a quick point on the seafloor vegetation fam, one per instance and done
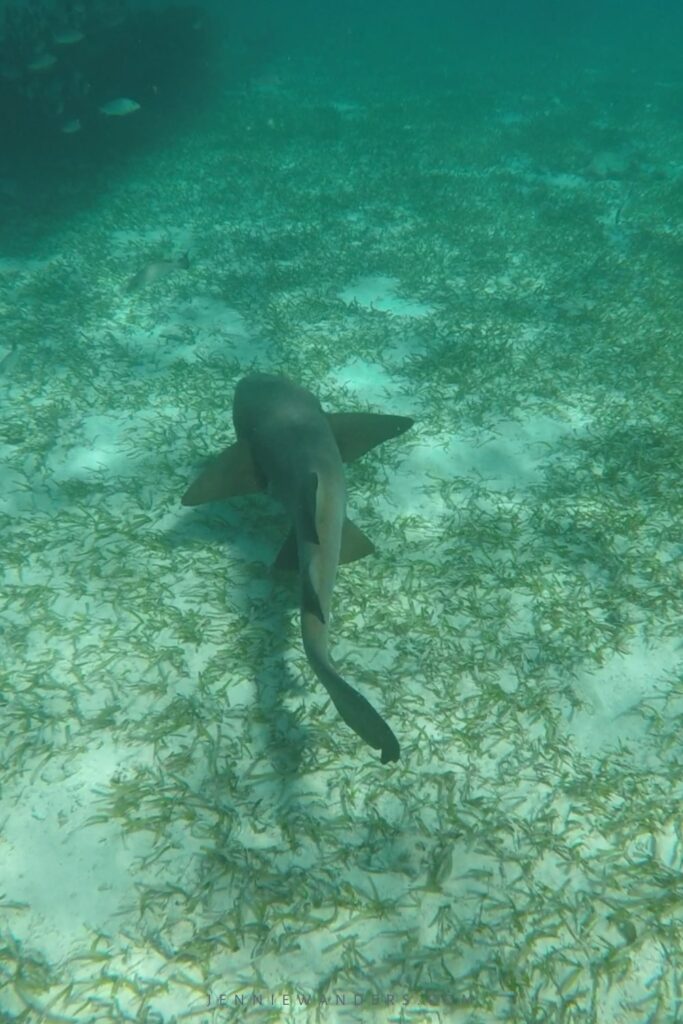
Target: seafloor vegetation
(520, 626)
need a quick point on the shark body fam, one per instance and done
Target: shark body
(289, 446)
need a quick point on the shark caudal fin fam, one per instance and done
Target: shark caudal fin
(228, 475)
(357, 712)
(357, 432)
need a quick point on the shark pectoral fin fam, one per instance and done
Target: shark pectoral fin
(354, 543)
(288, 555)
(228, 475)
(357, 432)
(307, 500)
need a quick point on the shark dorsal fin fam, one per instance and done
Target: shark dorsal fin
(357, 432)
(354, 543)
(228, 475)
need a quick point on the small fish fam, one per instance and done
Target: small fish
(156, 270)
(71, 126)
(67, 37)
(42, 63)
(119, 107)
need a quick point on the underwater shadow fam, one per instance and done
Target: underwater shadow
(119, 85)
(254, 530)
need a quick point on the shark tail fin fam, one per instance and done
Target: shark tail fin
(357, 711)
(366, 722)
(228, 475)
(357, 432)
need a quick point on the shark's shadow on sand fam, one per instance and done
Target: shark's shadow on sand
(288, 446)
(250, 530)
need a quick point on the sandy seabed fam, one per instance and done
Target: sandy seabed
(187, 830)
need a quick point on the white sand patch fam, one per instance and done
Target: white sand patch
(612, 694)
(49, 848)
(200, 328)
(375, 291)
(100, 452)
(372, 383)
(510, 457)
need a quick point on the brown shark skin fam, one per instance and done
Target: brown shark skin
(296, 456)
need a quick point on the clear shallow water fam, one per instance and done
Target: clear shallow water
(474, 223)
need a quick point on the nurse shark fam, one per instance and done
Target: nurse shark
(288, 446)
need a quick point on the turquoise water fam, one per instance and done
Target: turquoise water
(468, 218)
